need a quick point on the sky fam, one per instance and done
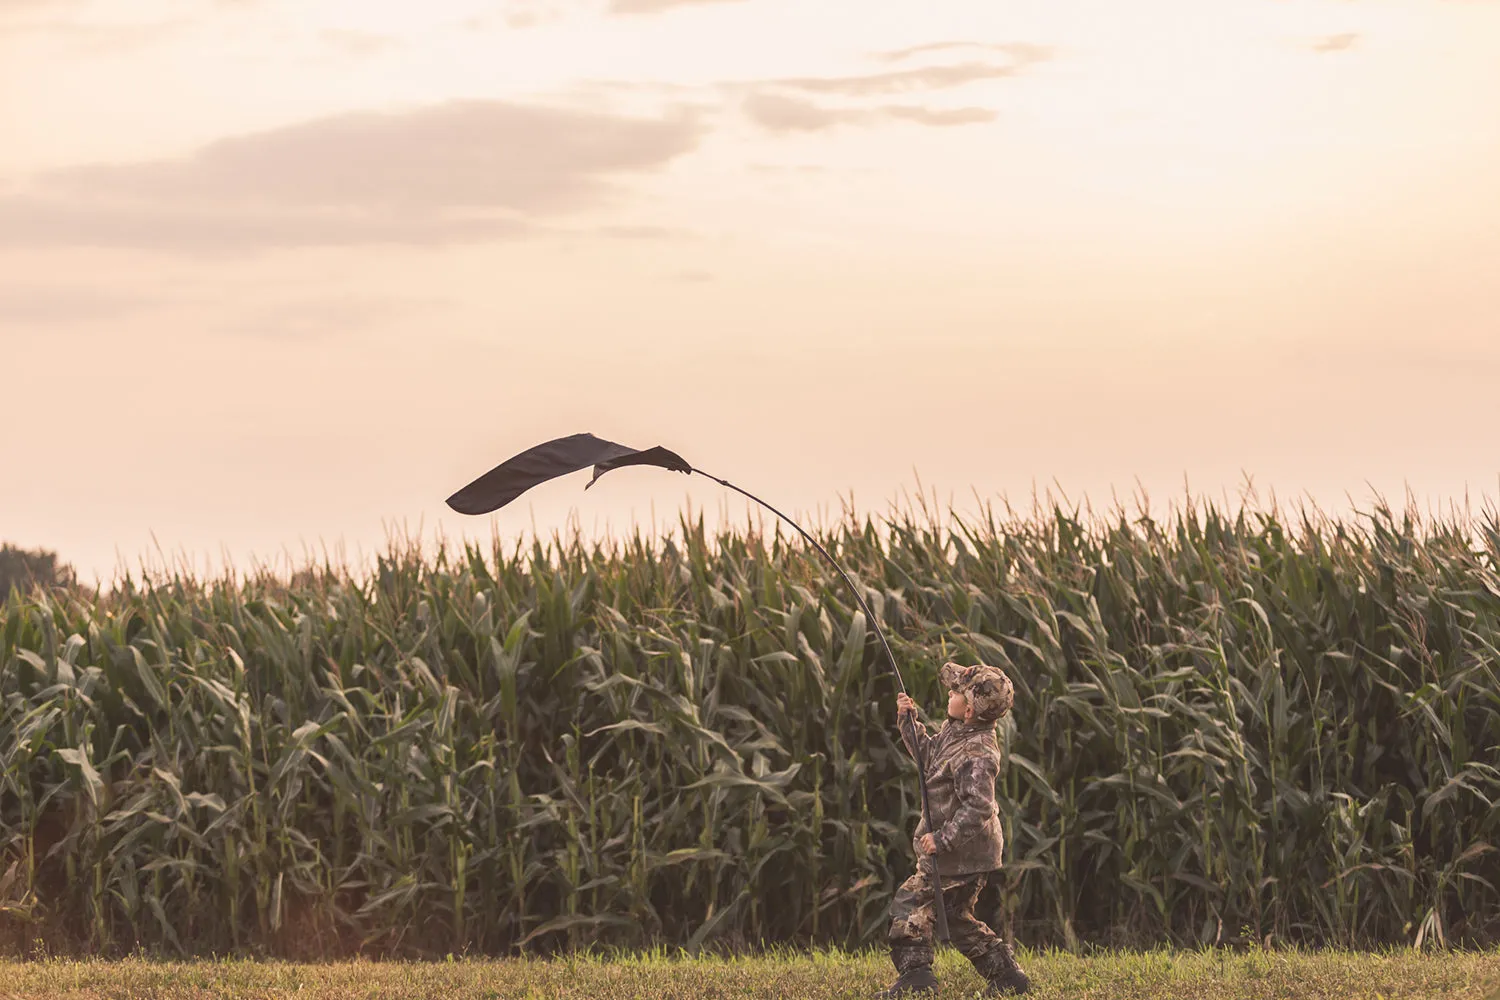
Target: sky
(279, 276)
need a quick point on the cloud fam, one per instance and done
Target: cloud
(792, 114)
(900, 81)
(55, 222)
(457, 172)
(22, 305)
(101, 38)
(940, 77)
(642, 232)
(452, 156)
(10, 8)
(654, 6)
(321, 319)
(803, 169)
(778, 113)
(517, 14)
(1022, 52)
(780, 104)
(1336, 43)
(939, 116)
(358, 43)
(530, 13)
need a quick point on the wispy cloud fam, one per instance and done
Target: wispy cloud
(94, 37)
(13, 8)
(519, 14)
(642, 232)
(779, 113)
(1021, 56)
(1336, 43)
(358, 43)
(793, 114)
(325, 318)
(654, 6)
(783, 104)
(23, 305)
(457, 172)
(228, 229)
(531, 13)
(941, 117)
(901, 81)
(1021, 52)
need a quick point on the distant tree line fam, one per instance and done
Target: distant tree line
(25, 568)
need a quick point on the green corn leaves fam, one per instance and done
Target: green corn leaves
(1225, 729)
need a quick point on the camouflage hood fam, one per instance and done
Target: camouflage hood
(989, 691)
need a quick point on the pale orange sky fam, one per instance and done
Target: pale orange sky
(279, 273)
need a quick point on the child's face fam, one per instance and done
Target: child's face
(958, 706)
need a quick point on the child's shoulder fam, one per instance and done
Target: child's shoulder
(970, 741)
(971, 730)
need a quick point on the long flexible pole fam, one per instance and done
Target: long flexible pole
(939, 912)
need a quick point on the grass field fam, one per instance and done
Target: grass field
(1161, 975)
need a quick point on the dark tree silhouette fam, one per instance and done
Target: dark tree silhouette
(23, 568)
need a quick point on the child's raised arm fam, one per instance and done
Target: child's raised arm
(905, 708)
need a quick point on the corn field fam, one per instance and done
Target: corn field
(1227, 728)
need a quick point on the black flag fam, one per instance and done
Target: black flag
(554, 458)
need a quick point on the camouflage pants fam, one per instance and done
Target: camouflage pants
(912, 922)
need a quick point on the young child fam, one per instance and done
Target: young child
(962, 763)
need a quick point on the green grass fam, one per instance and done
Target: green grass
(1159, 975)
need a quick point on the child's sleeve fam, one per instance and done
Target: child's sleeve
(923, 737)
(974, 781)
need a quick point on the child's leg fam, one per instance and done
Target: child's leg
(992, 958)
(910, 936)
(912, 920)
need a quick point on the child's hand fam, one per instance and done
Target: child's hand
(904, 706)
(927, 845)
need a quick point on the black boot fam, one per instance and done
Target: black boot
(1004, 973)
(1008, 983)
(913, 981)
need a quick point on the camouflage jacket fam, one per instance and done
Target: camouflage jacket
(963, 761)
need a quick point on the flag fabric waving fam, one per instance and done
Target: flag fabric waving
(551, 459)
